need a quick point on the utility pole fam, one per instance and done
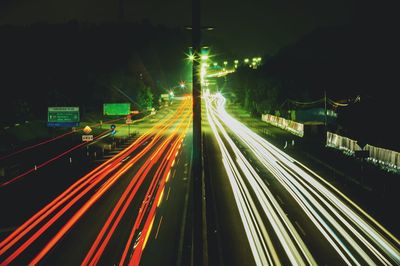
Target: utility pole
(199, 234)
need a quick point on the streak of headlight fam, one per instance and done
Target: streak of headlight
(270, 155)
(95, 252)
(96, 175)
(167, 162)
(52, 139)
(86, 206)
(270, 206)
(47, 162)
(257, 244)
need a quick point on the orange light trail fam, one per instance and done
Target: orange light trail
(135, 258)
(49, 161)
(95, 252)
(51, 140)
(75, 193)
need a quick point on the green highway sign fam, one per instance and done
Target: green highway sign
(116, 108)
(63, 116)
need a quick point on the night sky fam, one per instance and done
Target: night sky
(247, 27)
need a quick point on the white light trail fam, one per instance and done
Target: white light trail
(294, 247)
(354, 235)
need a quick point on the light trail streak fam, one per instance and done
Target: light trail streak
(98, 247)
(135, 258)
(255, 228)
(76, 192)
(51, 140)
(48, 161)
(355, 236)
(138, 180)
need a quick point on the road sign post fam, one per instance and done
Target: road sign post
(129, 122)
(113, 131)
(200, 238)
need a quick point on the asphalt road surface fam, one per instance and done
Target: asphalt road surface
(130, 202)
(286, 213)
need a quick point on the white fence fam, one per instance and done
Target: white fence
(289, 125)
(382, 156)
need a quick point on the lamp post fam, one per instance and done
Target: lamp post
(200, 255)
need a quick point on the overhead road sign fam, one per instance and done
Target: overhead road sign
(116, 108)
(63, 116)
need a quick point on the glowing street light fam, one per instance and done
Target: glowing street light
(236, 62)
(204, 57)
(246, 60)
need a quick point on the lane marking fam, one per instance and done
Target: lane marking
(158, 228)
(281, 201)
(169, 190)
(301, 229)
(173, 174)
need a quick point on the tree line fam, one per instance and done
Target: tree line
(86, 65)
(352, 64)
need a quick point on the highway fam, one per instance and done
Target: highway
(133, 206)
(110, 215)
(285, 214)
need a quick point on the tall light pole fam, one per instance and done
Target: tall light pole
(199, 229)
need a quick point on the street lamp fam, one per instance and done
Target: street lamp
(191, 57)
(199, 224)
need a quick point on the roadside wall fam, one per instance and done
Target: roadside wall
(378, 155)
(289, 125)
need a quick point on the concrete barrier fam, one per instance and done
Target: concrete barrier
(289, 125)
(385, 157)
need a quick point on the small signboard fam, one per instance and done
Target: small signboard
(113, 131)
(87, 130)
(116, 108)
(63, 116)
(87, 137)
